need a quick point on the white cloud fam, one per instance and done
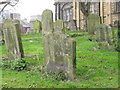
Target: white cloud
(28, 8)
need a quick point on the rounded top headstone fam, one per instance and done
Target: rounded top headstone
(47, 21)
(59, 26)
(93, 21)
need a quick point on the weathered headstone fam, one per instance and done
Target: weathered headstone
(13, 39)
(93, 21)
(73, 26)
(118, 34)
(59, 49)
(37, 26)
(110, 34)
(104, 34)
(47, 22)
(59, 26)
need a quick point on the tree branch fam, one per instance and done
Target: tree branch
(4, 7)
(85, 8)
(9, 3)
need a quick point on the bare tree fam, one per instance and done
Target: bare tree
(5, 3)
(85, 8)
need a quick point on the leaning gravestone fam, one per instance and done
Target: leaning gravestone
(92, 22)
(73, 26)
(59, 49)
(104, 35)
(13, 39)
(37, 26)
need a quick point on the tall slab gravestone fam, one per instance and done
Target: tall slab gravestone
(93, 21)
(59, 49)
(13, 39)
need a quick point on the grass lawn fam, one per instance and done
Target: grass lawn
(95, 69)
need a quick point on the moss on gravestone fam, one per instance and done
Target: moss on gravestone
(37, 26)
(93, 21)
(47, 22)
(59, 49)
(59, 26)
(104, 35)
(13, 40)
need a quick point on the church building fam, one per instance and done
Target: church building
(67, 11)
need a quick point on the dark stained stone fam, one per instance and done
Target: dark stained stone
(73, 26)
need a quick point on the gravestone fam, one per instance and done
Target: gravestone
(47, 22)
(110, 34)
(13, 39)
(37, 26)
(93, 21)
(73, 26)
(118, 34)
(104, 34)
(59, 26)
(59, 49)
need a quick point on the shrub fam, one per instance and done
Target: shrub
(19, 65)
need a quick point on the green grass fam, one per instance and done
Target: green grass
(95, 69)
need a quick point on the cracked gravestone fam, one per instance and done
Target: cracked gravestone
(13, 39)
(59, 49)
